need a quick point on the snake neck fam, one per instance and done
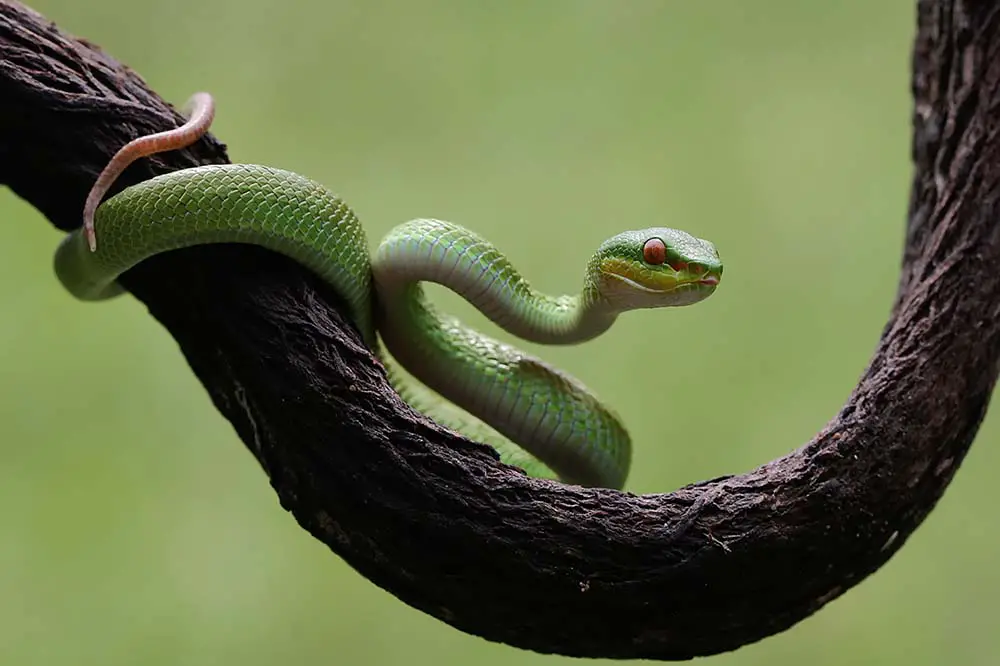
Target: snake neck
(454, 257)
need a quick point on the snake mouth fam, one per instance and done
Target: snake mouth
(708, 281)
(635, 285)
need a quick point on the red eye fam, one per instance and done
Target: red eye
(654, 252)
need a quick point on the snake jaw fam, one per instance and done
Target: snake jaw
(628, 289)
(632, 284)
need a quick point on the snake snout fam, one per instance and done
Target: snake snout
(707, 275)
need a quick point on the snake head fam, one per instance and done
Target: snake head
(655, 268)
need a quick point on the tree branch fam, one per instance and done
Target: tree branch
(437, 520)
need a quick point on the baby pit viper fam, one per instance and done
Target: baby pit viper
(538, 417)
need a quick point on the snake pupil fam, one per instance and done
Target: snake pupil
(654, 252)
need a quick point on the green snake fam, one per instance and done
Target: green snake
(536, 416)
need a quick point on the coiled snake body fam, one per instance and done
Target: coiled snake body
(536, 416)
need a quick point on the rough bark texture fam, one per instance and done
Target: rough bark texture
(436, 520)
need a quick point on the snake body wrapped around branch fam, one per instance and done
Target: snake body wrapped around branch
(536, 416)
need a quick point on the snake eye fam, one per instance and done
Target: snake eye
(654, 252)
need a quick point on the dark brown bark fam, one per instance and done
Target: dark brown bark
(436, 520)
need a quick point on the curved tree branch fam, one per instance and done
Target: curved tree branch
(437, 520)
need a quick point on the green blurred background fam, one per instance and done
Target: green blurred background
(136, 528)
